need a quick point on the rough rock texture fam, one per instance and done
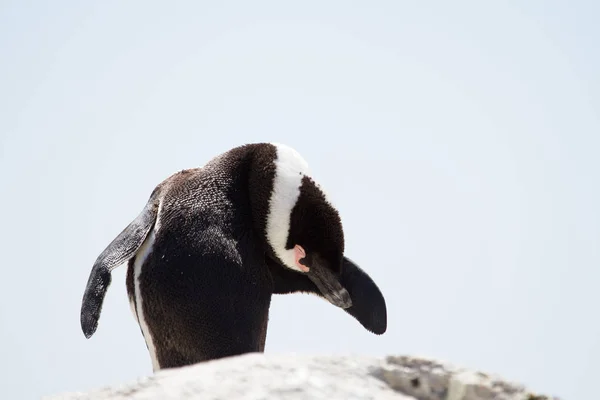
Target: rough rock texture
(260, 376)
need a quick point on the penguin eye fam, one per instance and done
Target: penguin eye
(299, 255)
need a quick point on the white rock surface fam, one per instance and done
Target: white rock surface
(295, 377)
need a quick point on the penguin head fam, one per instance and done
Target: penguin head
(304, 230)
(316, 236)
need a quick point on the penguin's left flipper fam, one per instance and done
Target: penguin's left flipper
(121, 249)
(368, 304)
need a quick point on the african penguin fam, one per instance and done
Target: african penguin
(213, 244)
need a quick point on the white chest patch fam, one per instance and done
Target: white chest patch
(140, 257)
(290, 168)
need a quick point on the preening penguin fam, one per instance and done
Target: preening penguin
(213, 244)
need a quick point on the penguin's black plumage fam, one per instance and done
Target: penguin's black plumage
(214, 243)
(368, 305)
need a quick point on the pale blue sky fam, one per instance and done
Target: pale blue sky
(460, 141)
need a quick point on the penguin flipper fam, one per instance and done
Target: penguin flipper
(368, 304)
(121, 249)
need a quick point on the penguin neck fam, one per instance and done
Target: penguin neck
(275, 182)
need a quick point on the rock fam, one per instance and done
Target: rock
(293, 377)
(426, 379)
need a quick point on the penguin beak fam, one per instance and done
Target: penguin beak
(328, 283)
(330, 287)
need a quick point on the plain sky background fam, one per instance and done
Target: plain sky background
(460, 141)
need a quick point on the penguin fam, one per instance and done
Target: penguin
(213, 244)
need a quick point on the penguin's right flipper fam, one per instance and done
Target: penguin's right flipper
(121, 249)
(368, 304)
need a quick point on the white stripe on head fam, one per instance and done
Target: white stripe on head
(290, 168)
